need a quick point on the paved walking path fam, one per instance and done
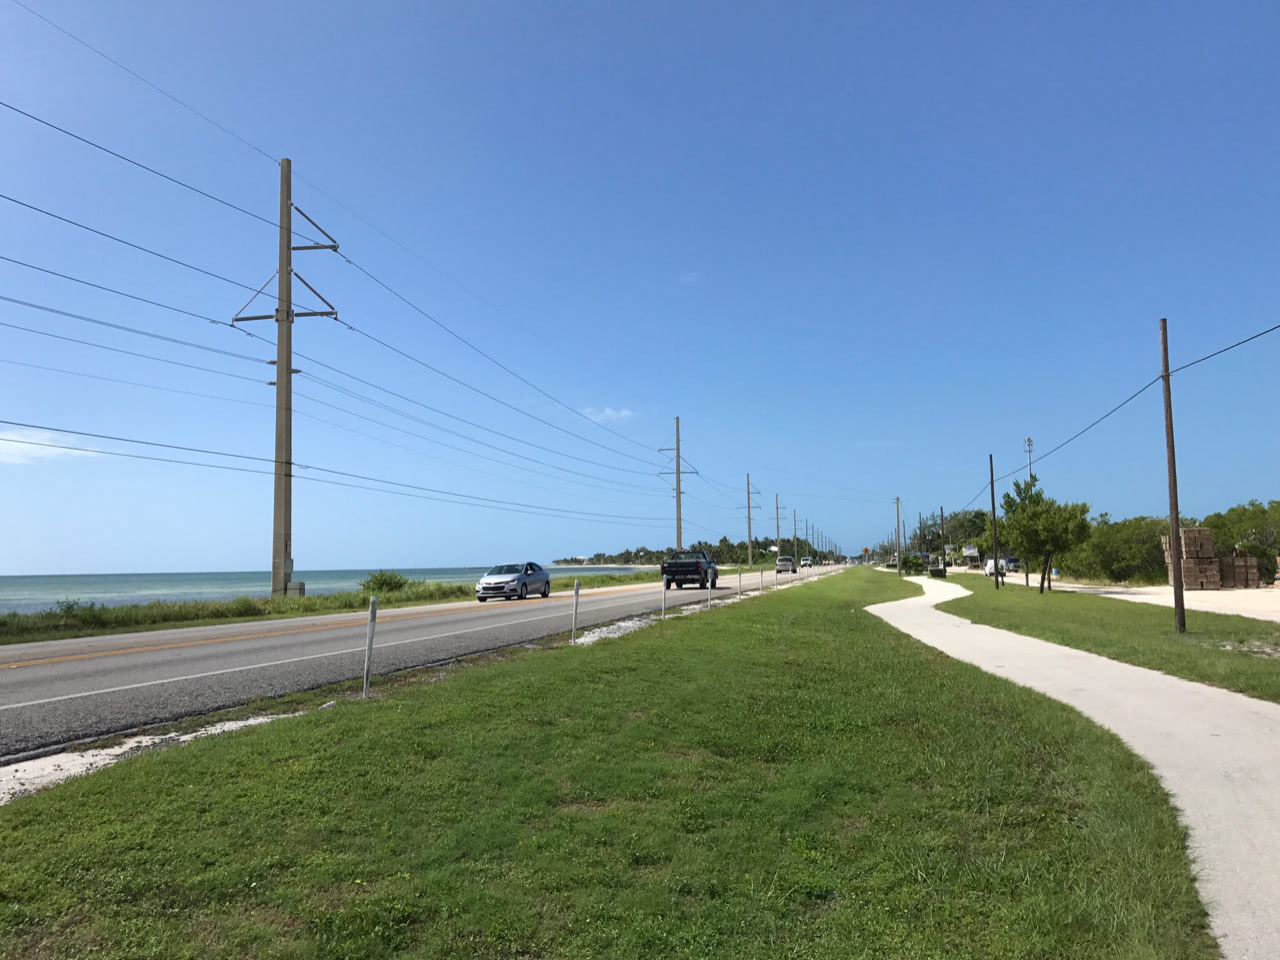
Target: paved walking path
(1216, 752)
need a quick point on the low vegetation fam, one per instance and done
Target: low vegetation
(73, 619)
(610, 801)
(1238, 653)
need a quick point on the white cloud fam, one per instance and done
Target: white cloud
(607, 415)
(25, 449)
(690, 277)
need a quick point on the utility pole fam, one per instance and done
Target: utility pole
(995, 543)
(942, 529)
(1030, 446)
(777, 524)
(748, 521)
(1175, 533)
(282, 511)
(793, 533)
(678, 470)
(897, 527)
(679, 540)
(282, 582)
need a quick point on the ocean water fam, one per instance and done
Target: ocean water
(33, 594)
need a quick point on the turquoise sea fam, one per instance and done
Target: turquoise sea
(33, 594)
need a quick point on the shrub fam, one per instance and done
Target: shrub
(384, 581)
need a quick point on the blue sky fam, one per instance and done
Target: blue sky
(856, 248)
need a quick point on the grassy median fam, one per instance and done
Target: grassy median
(1237, 653)
(783, 777)
(73, 619)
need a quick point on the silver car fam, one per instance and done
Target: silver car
(511, 580)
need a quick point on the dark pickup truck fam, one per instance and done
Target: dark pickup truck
(689, 566)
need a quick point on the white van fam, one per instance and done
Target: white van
(990, 569)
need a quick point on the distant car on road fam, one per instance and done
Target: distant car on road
(785, 565)
(990, 569)
(689, 566)
(806, 561)
(507, 581)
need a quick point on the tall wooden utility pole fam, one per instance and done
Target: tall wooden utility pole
(897, 529)
(995, 541)
(748, 521)
(1175, 533)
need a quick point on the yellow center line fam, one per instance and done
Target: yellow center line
(275, 633)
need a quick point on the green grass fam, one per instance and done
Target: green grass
(785, 777)
(1237, 653)
(73, 619)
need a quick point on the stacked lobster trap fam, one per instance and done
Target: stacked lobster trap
(1203, 569)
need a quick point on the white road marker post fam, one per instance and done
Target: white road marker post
(708, 593)
(573, 629)
(368, 646)
(762, 581)
(664, 598)
(739, 583)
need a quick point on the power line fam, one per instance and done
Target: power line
(510, 406)
(320, 363)
(339, 426)
(130, 353)
(334, 483)
(304, 466)
(1238, 343)
(133, 330)
(152, 170)
(131, 244)
(367, 273)
(138, 76)
(498, 363)
(1133, 396)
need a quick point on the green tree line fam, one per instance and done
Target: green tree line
(724, 552)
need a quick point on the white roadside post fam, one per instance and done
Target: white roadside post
(664, 598)
(573, 629)
(368, 646)
(708, 593)
(739, 582)
(762, 581)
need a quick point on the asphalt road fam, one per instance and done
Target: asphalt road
(59, 691)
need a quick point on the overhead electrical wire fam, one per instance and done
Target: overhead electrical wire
(129, 353)
(271, 343)
(1129, 399)
(462, 497)
(369, 274)
(324, 480)
(152, 170)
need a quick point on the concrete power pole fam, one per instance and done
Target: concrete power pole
(282, 582)
(777, 524)
(1030, 447)
(1175, 533)
(282, 512)
(748, 521)
(793, 533)
(679, 538)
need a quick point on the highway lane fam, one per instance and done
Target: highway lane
(58, 691)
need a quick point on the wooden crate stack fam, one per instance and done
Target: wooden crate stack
(1200, 567)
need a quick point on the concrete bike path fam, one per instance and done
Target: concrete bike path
(1216, 752)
